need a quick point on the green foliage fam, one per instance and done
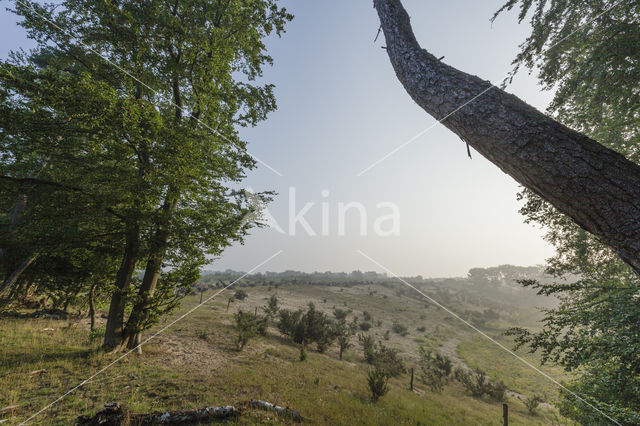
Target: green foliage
(381, 356)
(377, 380)
(340, 314)
(367, 316)
(248, 325)
(115, 167)
(478, 384)
(272, 307)
(312, 326)
(343, 332)
(368, 347)
(399, 328)
(436, 369)
(364, 326)
(240, 294)
(593, 68)
(532, 403)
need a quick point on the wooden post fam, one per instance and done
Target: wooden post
(505, 414)
(411, 384)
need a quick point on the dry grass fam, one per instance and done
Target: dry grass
(195, 364)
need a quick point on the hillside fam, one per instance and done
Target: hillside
(196, 363)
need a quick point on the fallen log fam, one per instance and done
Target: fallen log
(115, 415)
(282, 411)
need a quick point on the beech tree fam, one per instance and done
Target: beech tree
(594, 185)
(162, 149)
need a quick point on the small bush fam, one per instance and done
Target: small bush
(400, 329)
(422, 329)
(532, 404)
(377, 380)
(436, 369)
(240, 294)
(247, 326)
(368, 347)
(339, 314)
(386, 335)
(477, 382)
(202, 334)
(366, 315)
(365, 326)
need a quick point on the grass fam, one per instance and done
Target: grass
(195, 364)
(478, 352)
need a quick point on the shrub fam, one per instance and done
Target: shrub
(400, 329)
(271, 308)
(240, 294)
(340, 314)
(386, 335)
(365, 326)
(307, 327)
(247, 326)
(343, 333)
(366, 315)
(377, 380)
(477, 382)
(533, 403)
(421, 329)
(497, 391)
(436, 369)
(387, 359)
(202, 334)
(368, 347)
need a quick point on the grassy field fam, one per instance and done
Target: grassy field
(195, 363)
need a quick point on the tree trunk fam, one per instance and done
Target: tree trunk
(141, 310)
(595, 186)
(115, 318)
(11, 279)
(92, 307)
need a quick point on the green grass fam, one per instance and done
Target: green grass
(477, 351)
(195, 364)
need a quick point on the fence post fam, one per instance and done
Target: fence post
(411, 384)
(505, 414)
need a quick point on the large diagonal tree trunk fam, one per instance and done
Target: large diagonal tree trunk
(595, 186)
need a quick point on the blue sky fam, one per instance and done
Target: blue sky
(341, 109)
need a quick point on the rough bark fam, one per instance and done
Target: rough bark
(115, 318)
(595, 186)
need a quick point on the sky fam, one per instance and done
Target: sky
(430, 210)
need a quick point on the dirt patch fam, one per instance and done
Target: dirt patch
(189, 352)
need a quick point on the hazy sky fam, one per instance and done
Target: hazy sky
(341, 109)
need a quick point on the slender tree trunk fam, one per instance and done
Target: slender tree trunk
(141, 310)
(115, 318)
(92, 306)
(13, 277)
(595, 186)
